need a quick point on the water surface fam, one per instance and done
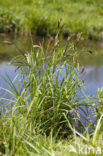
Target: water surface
(92, 61)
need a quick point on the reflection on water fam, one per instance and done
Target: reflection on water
(5, 69)
(8, 51)
(93, 77)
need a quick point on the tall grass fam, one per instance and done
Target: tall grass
(46, 107)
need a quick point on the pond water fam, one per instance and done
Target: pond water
(93, 63)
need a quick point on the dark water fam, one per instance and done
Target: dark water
(93, 62)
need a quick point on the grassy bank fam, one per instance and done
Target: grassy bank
(46, 114)
(41, 16)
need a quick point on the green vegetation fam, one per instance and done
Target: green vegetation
(45, 114)
(41, 16)
(47, 111)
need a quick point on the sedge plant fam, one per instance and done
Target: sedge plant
(46, 102)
